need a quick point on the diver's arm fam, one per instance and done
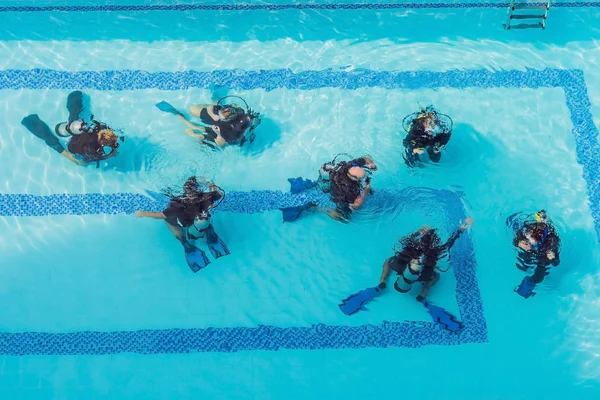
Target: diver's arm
(331, 213)
(71, 156)
(150, 214)
(361, 199)
(446, 246)
(369, 163)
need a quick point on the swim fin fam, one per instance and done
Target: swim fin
(40, 129)
(293, 213)
(75, 105)
(525, 289)
(441, 316)
(216, 246)
(166, 107)
(195, 257)
(356, 302)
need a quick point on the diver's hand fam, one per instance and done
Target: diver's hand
(550, 255)
(468, 223)
(382, 285)
(417, 151)
(524, 245)
(139, 214)
(369, 163)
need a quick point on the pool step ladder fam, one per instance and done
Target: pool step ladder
(531, 13)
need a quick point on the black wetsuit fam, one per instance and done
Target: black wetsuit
(179, 213)
(420, 138)
(232, 131)
(537, 258)
(344, 191)
(432, 254)
(87, 146)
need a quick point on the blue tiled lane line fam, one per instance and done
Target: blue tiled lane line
(320, 336)
(280, 7)
(571, 81)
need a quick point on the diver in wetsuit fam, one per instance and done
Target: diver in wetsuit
(227, 124)
(188, 215)
(89, 140)
(344, 182)
(417, 259)
(428, 131)
(538, 247)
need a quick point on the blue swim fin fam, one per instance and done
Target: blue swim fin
(195, 257)
(298, 185)
(441, 316)
(525, 289)
(293, 213)
(216, 246)
(356, 302)
(166, 107)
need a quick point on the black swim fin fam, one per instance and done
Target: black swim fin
(75, 105)
(195, 257)
(39, 128)
(216, 246)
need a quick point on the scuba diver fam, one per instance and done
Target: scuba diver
(222, 123)
(347, 183)
(342, 180)
(417, 258)
(415, 261)
(188, 217)
(538, 247)
(89, 141)
(427, 130)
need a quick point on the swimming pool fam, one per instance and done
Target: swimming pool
(96, 302)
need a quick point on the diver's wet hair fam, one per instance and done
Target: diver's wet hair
(420, 241)
(194, 197)
(343, 188)
(112, 140)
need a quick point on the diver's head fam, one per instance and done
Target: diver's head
(427, 238)
(108, 138)
(536, 234)
(356, 173)
(227, 113)
(191, 187)
(541, 216)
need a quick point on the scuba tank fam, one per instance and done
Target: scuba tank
(408, 276)
(66, 129)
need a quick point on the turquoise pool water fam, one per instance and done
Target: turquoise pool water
(518, 103)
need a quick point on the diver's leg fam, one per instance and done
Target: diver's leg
(196, 109)
(539, 274)
(429, 284)
(176, 230)
(385, 272)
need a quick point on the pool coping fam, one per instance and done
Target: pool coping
(279, 7)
